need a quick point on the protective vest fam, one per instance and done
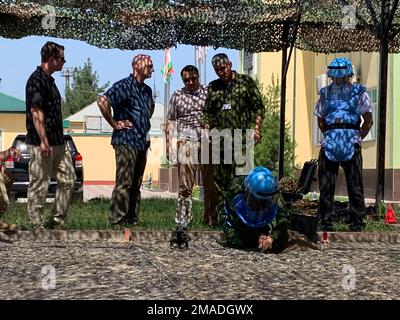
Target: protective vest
(342, 120)
(250, 218)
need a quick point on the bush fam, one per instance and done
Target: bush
(266, 153)
(196, 192)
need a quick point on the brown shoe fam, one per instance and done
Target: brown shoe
(12, 227)
(3, 225)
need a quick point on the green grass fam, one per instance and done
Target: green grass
(377, 225)
(370, 226)
(155, 214)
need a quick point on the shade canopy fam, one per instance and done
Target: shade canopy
(253, 25)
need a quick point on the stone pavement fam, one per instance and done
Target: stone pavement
(147, 268)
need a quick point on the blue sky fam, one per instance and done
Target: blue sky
(19, 58)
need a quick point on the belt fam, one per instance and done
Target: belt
(342, 126)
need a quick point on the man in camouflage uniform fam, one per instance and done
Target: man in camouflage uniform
(250, 209)
(256, 216)
(233, 103)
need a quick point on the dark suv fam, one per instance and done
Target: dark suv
(19, 169)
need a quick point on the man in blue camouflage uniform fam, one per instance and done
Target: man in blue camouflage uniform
(340, 108)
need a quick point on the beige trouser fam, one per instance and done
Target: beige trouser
(189, 157)
(188, 163)
(58, 166)
(6, 183)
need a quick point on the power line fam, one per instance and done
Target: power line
(67, 74)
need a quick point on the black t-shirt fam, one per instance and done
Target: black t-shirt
(42, 92)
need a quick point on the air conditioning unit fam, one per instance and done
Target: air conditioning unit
(355, 79)
(321, 81)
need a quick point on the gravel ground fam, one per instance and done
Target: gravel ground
(149, 269)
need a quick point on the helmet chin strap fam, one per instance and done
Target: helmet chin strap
(338, 86)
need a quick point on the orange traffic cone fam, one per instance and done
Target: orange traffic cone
(390, 217)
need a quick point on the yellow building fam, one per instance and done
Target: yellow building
(12, 119)
(302, 96)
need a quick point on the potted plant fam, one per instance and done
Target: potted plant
(164, 174)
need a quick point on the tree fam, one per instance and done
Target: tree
(266, 153)
(85, 89)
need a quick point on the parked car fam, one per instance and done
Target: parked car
(19, 169)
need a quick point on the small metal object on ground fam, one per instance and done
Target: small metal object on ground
(325, 237)
(179, 238)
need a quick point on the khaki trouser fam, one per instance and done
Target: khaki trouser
(6, 183)
(189, 155)
(57, 165)
(188, 163)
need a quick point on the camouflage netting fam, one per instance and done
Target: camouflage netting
(254, 25)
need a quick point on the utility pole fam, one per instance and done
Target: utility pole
(67, 74)
(205, 68)
(155, 91)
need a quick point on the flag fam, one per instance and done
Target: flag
(201, 53)
(167, 70)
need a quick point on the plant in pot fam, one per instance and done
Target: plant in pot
(164, 173)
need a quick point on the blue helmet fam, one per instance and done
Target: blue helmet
(340, 68)
(260, 183)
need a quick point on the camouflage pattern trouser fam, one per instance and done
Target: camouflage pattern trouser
(57, 165)
(125, 199)
(7, 182)
(183, 214)
(210, 216)
(241, 238)
(223, 175)
(227, 169)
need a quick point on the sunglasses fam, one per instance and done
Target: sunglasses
(187, 80)
(63, 59)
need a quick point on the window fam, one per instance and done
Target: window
(373, 95)
(317, 134)
(248, 63)
(97, 124)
